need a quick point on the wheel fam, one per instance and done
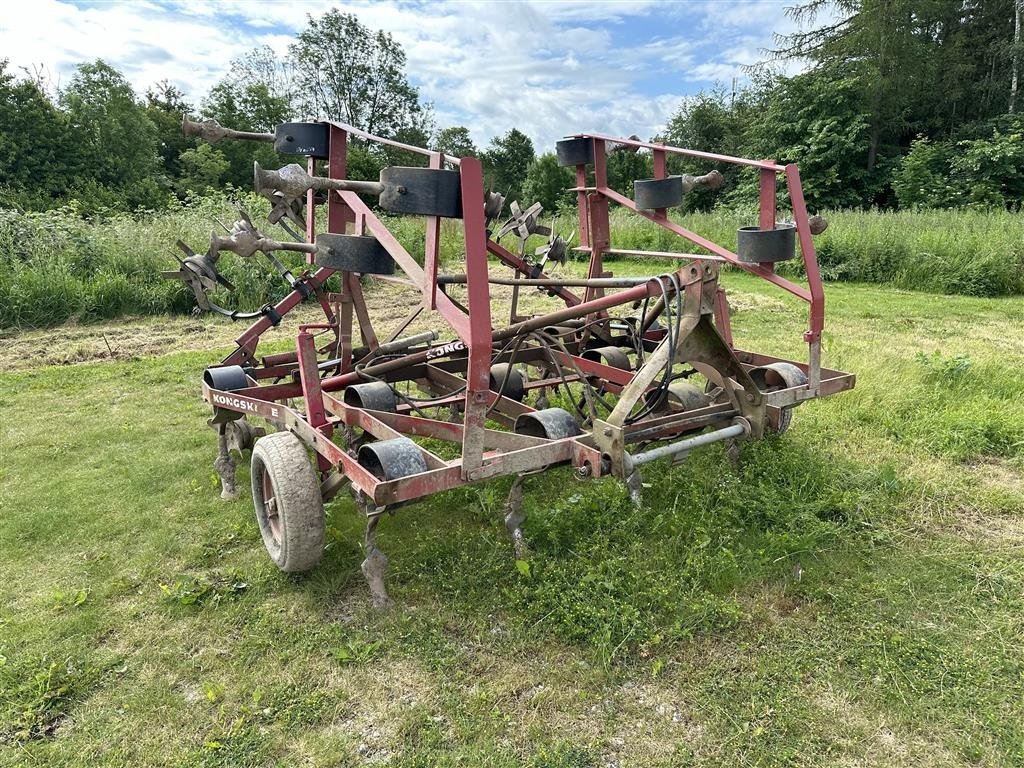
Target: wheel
(778, 424)
(243, 434)
(286, 494)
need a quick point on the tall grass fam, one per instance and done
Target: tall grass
(971, 253)
(58, 266)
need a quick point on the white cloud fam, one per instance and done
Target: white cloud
(548, 68)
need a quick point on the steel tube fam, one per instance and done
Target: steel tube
(348, 185)
(679, 151)
(409, 341)
(570, 282)
(503, 334)
(735, 430)
(211, 132)
(656, 254)
(389, 142)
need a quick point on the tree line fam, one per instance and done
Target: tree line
(903, 103)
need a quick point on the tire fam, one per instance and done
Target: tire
(292, 523)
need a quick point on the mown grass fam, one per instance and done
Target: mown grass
(851, 594)
(57, 266)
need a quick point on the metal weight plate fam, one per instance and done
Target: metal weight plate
(373, 396)
(755, 245)
(773, 376)
(550, 423)
(649, 194)
(422, 191)
(227, 378)
(575, 152)
(354, 253)
(392, 459)
(504, 374)
(611, 356)
(309, 139)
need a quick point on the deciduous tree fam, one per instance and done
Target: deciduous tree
(350, 73)
(455, 142)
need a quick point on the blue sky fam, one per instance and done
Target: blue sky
(548, 68)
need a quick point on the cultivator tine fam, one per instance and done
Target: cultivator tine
(211, 132)
(284, 209)
(494, 203)
(375, 564)
(515, 517)
(224, 466)
(523, 224)
(635, 486)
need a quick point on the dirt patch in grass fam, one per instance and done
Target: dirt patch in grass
(881, 742)
(1001, 530)
(132, 338)
(999, 473)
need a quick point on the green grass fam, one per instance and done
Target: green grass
(852, 594)
(56, 266)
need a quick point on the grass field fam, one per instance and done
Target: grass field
(851, 595)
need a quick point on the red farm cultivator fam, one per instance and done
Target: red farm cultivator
(618, 373)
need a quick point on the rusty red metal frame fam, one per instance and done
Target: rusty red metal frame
(458, 369)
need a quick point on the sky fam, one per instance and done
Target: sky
(548, 68)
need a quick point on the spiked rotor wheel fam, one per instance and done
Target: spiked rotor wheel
(524, 223)
(555, 249)
(494, 203)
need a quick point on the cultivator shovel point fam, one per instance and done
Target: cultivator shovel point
(619, 372)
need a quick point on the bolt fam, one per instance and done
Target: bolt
(607, 432)
(750, 397)
(584, 472)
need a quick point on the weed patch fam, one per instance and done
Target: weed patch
(36, 694)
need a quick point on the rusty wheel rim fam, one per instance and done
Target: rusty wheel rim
(270, 508)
